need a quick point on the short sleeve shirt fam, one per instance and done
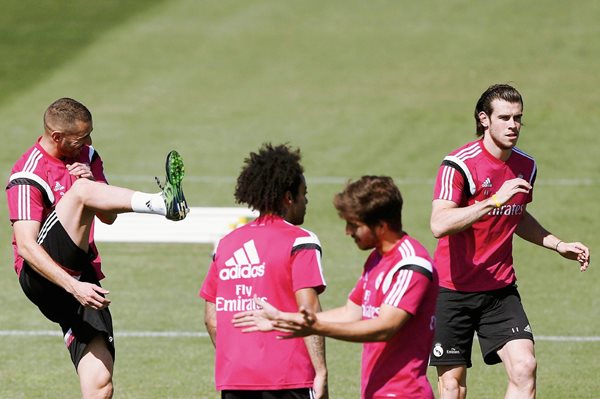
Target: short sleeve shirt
(37, 183)
(406, 278)
(271, 259)
(480, 258)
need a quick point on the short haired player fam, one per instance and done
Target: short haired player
(479, 203)
(55, 190)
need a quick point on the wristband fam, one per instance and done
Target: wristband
(557, 244)
(497, 203)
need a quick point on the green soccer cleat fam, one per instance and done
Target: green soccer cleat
(172, 191)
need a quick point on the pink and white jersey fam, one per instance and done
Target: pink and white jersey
(36, 184)
(404, 278)
(480, 257)
(271, 259)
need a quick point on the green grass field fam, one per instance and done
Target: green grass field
(380, 87)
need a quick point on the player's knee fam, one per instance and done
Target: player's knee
(523, 371)
(81, 185)
(95, 371)
(98, 392)
(451, 386)
(107, 391)
(80, 189)
(100, 389)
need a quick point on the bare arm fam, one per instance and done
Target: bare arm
(87, 294)
(210, 321)
(380, 328)
(448, 218)
(265, 318)
(531, 230)
(344, 323)
(347, 313)
(308, 298)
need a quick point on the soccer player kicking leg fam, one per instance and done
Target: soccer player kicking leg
(59, 278)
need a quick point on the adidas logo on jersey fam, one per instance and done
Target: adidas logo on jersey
(487, 183)
(58, 187)
(244, 263)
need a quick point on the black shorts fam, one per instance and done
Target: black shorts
(79, 324)
(497, 316)
(301, 393)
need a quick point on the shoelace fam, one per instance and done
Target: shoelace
(158, 182)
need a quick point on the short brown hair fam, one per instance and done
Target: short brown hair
(64, 112)
(370, 200)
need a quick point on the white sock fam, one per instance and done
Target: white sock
(148, 203)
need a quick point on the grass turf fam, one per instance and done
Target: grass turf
(362, 88)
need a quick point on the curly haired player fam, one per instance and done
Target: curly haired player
(391, 308)
(274, 259)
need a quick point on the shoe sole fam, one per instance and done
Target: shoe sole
(174, 168)
(175, 171)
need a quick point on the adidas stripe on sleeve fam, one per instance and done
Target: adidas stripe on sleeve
(398, 279)
(454, 177)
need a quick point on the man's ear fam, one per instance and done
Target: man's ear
(484, 119)
(56, 136)
(380, 228)
(288, 198)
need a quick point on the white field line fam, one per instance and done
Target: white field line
(192, 334)
(134, 334)
(324, 180)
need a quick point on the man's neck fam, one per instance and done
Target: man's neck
(388, 241)
(499, 153)
(49, 146)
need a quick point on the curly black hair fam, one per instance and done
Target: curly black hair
(267, 175)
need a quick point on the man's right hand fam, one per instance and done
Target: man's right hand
(510, 188)
(269, 318)
(90, 295)
(320, 387)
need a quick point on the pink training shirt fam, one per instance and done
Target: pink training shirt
(480, 257)
(404, 278)
(271, 259)
(36, 184)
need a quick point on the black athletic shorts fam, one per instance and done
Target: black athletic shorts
(79, 324)
(497, 316)
(302, 393)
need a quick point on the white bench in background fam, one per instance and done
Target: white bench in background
(202, 225)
